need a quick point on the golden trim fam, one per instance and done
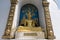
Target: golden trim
(48, 34)
(10, 20)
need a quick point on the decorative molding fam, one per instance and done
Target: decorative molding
(49, 34)
(13, 1)
(10, 20)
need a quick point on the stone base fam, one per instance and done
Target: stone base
(29, 35)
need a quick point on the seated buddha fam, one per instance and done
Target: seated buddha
(28, 22)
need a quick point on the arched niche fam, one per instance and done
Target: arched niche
(33, 11)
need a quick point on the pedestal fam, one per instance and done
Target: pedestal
(29, 33)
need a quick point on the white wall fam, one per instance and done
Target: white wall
(54, 11)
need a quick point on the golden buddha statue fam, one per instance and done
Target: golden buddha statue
(29, 24)
(29, 21)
